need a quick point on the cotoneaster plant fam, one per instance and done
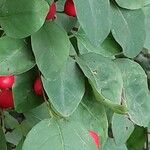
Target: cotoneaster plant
(73, 75)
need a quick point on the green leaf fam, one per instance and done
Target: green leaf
(85, 46)
(22, 18)
(51, 46)
(19, 146)
(72, 52)
(37, 114)
(2, 140)
(92, 115)
(66, 22)
(24, 96)
(111, 145)
(130, 4)
(105, 78)
(60, 5)
(67, 90)
(14, 137)
(147, 26)
(49, 1)
(146, 2)
(111, 46)
(26, 126)
(137, 139)
(122, 128)
(10, 121)
(58, 135)
(94, 17)
(135, 91)
(12, 50)
(127, 30)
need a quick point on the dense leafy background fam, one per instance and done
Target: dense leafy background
(95, 70)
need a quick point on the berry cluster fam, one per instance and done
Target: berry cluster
(69, 9)
(6, 96)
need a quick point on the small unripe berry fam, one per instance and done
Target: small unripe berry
(69, 8)
(6, 82)
(6, 99)
(52, 12)
(95, 137)
(38, 88)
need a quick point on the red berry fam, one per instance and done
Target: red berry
(95, 137)
(52, 12)
(38, 88)
(6, 99)
(6, 82)
(69, 8)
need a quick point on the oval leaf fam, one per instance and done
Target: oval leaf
(92, 115)
(94, 17)
(105, 78)
(22, 18)
(52, 45)
(67, 90)
(135, 91)
(58, 135)
(127, 30)
(12, 50)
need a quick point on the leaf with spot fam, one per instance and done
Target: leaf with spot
(135, 91)
(58, 135)
(105, 78)
(92, 115)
